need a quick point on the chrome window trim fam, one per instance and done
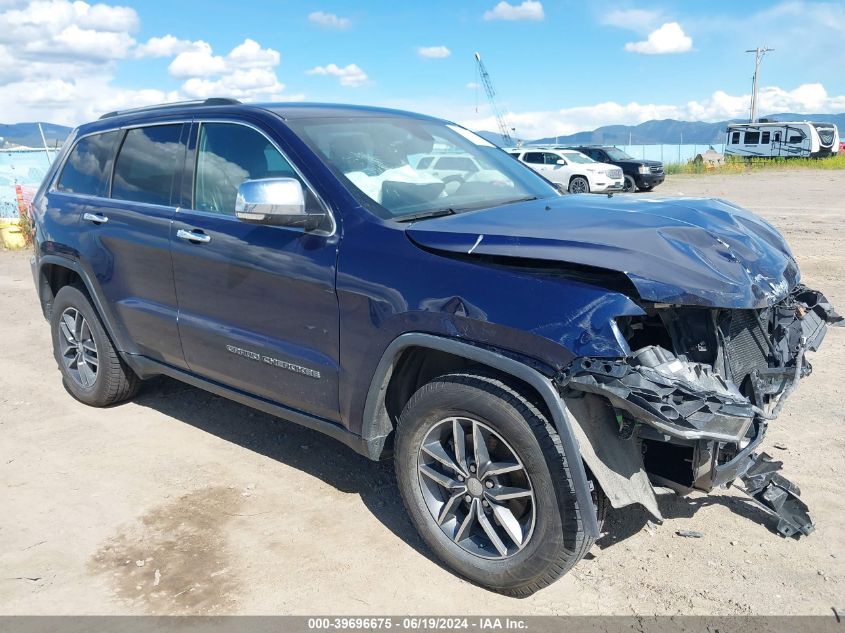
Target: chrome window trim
(199, 121)
(119, 128)
(329, 211)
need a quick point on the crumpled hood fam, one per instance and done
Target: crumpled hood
(689, 251)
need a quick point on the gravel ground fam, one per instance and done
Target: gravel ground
(184, 503)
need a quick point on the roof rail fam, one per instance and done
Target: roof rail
(213, 101)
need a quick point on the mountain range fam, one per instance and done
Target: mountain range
(666, 131)
(27, 134)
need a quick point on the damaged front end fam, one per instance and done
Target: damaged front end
(699, 387)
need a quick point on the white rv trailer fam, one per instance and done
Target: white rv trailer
(770, 139)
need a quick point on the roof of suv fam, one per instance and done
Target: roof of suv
(284, 110)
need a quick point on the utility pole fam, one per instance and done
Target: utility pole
(758, 57)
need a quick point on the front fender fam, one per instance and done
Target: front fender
(377, 424)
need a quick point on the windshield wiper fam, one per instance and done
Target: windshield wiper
(424, 215)
(525, 199)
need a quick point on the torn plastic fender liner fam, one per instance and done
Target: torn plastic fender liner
(617, 464)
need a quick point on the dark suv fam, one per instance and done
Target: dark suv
(640, 175)
(526, 358)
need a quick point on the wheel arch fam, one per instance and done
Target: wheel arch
(412, 357)
(54, 272)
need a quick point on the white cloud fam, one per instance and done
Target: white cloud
(166, 46)
(719, 106)
(669, 38)
(60, 59)
(351, 75)
(528, 10)
(433, 52)
(247, 72)
(632, 19)
(64, 33)
(329, 20)
(199, 61)
(473, 85)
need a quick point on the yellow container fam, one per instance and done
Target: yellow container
(11, 234)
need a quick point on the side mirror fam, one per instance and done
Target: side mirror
(560, 161)
(275, 201)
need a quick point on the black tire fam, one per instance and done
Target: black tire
(630, 185)
(579, 184)
(557, 540)
(112, 381)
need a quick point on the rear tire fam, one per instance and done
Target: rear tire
(92, 370)
(542, 533)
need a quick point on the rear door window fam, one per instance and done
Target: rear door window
(87, 169)
(535, 158)
(148, 164)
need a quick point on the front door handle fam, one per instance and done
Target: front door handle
(96, 218)
(195, 235)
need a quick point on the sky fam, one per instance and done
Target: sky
(558, 66)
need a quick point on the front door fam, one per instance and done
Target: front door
(257, 304)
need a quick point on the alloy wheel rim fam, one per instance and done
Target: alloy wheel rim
(629, 186)
(476, 488)
(79, 351)
(578, 186)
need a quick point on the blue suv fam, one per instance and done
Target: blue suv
(526, 358)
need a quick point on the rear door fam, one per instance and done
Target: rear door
(125, 236)
(257, 304)
(536, 161)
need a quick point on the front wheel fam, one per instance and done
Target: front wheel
(484, 478)
(579, 184)
(630, 185)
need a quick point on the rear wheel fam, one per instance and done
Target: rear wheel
(579, 184)
(485, 481)
(91, 369)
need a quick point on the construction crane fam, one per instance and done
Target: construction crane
(484, 76)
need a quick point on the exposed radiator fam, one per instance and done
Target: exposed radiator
(746, 347)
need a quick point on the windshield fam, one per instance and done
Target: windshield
(384, 161)
(617, 154)
(577, 157)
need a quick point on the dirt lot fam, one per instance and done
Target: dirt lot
(182, 502)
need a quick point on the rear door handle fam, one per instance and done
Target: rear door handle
(96, 218)
(195, 235)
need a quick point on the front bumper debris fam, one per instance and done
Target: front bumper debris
(776, 495)
(701, 409)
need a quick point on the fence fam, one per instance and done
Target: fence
(669, 154)
(20, 167)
